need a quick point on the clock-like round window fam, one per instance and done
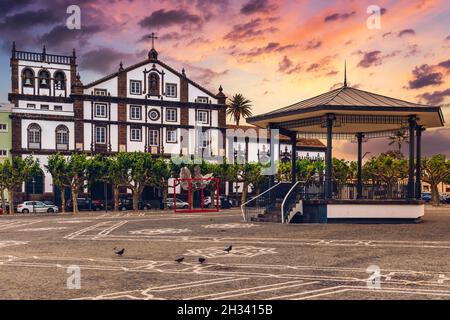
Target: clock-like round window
(153, 114)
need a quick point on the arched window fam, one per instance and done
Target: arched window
(27, 77)
(44, 79)
(153, 84)
(62, 137)
(60, 80)
(34, 136)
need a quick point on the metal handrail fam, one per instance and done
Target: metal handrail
(285, 198)
(256, 197)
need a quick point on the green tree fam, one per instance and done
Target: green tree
(97, 170)
(77, 175)
(57, 167)
(3, 187)
(140, 173)
(239, 107)
(435, 170)
(163, 172)
(15, 172)
(249, 174)
(341, 170)
(117, 175)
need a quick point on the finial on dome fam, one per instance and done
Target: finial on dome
(120, 66)
(183, 72)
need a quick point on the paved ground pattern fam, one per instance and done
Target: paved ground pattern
(39, 255)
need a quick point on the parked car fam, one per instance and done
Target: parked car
(84, 204)
(225, 203)
(36, 206)
(426, 197)
(180, 204)
(126, 203)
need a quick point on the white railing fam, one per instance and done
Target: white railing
(254, 198)
(284, 200)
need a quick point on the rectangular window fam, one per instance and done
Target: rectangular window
(58, 108)
(31, 106)
(135, 112)
(100, 92)
(203, 140)
(202, 116)
(100, 135)
(3, 127)
(202, 100)
(171, 136)
(135, 134)
(171, 90)
(3, 153)
(153, 138)
(135, 87)
(171, 115)
(100, 110)
(44, 107)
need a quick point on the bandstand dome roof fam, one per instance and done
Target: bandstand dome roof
(355, 110)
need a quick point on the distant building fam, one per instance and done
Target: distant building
(5, 131)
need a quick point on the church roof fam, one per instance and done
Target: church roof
(151, 59)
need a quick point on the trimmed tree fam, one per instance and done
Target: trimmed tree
(15, 172)
(435, 170)
(57, 167)
(3, 188)
(76, 173)
(163, 172)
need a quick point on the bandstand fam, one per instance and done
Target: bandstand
(351, 114)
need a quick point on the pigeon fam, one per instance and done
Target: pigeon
(227, 250)
(179, 259)
(119, 252)
(201, 260)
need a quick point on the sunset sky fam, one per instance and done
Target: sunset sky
(274, 52)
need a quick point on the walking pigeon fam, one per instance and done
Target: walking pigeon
(227, 250)
(119, 252)
(179, 259)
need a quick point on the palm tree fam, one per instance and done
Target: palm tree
(239, 107)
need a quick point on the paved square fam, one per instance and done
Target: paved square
(267, 261)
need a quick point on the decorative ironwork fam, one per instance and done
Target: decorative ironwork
(285, 156)
(264, 156)
(239, 155)
(341, 120)
(345, 135)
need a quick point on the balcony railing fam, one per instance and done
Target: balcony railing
(43, 57)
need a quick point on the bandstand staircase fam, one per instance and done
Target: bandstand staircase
(282, 203)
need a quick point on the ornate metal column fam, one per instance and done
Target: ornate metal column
(419, 130)
(294, 158)
(360, 137)
(412, 128)
(329, 156)
(272, 157)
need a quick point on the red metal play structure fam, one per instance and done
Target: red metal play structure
(197, 184)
